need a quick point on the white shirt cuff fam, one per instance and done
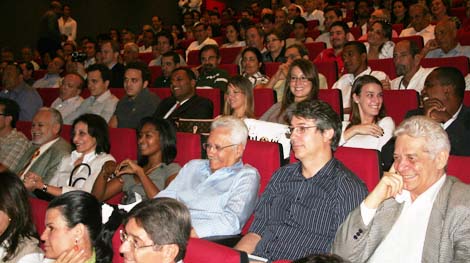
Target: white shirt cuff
(367, 214)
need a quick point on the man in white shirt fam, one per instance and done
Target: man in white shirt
(202, 38)
(313, 12)
(355, 65)
(416, 213)
(69, 96)
(67, 25)
(411, 75)
(446, 43)
(420, 20)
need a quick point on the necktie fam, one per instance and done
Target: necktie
(34, 156)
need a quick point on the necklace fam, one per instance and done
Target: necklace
(151, 169)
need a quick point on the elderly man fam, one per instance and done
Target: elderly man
(305, 203)
(48, 148)
(220, 192)
(12, 142)
(184, 102)
(69, 96)
(446, 43)
(210, 75)
(443, 102)
(16, 89)
(201, 35)
(411, 75)
(131, 53)
(416, 213)
(420, 23)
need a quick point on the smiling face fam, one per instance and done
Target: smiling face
(83, 141)
(231, 34)
(137, 236)
(399, 9)
(370, 100)
(182, 86)
(418, 19)
(337, 37)
(274, 44)
(310, 142)
(438, 8)
(43, 128)
(70, 87)
(149, 140)
(376, 35)
(236, 98)
(299, 85)
(417, 167)
(57, 237)
(96, 85)
(225, 157)
(353, 60)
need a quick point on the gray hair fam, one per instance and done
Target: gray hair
(423, 127)
(56, 116)
(238, 129)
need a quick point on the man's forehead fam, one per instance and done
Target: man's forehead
(301, 120)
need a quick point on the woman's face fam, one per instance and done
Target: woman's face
(250, 63)
(398, 9)
(137, 248)
(84, 142)
(370, 100)
(438, 7)
(235, 97)
(376, 35)
(231, 34)
(4, 222)
(300, 85)
(274, 44)
(149, 140)
(57, 237)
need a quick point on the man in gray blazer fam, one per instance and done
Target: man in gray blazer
(416, 213)
(48, 148)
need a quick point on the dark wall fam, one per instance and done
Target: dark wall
(20, 18)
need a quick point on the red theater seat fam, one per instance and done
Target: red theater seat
(156, 72)
(146, 57)
(461, 63)
(162, 93)
(188, 147)
(48, 95)
(466, 99)
(399, 102)
(315, 48)
(332, 97)
(458, 166)
(123, 143)
(417, 39)
(386, 65)
(271, 67)
(232, 69)
(203, 251)
(263, 99)
(228, 55)
(329, 70)
(193, 58)
(38, 212)
(24, 127)
(215, 96)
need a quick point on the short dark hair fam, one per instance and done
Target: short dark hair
(215, 48)
(334, 9)
(167, 136)
(14, 202)
(167, 35)
(359, 46)
(188, 71)
(11, 108)
(172, 54)
(165, 220)
(105, 72)
(300, 20)
(269, 17)
(320, 258)
(28, 65)
(453, 77)
(114, 45)
(301, 48)
(97, 128)
(144, 69)
(341, 24)
(325, 117)
(386, 27)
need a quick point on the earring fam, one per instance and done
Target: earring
(76, 248)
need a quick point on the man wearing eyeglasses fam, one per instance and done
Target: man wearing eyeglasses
(305, 202)
(221, 191)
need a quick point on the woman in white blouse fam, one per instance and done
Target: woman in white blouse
(232, 33)
(78, 171)
(379, 44)
(369, 127)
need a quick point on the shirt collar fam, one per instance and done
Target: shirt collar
(235, 167)
(46, 146)
(103, 96)
(86, 159)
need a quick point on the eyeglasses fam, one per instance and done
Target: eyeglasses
(218, 148)
(302, 79)
(299, 129)
(272, 40)
(125, 237)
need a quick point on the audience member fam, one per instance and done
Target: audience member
(361, 15)
(379, 43)
(184, 102)
(18, 237)
(27, 56)
(420, 23)
(161, 223)
(338, 34)
(400, 13)
(148, 40)
(16, 89)
(254, 37)
(165, 43)
(239, 101)
(305, 203)
(267, 23)
(355, 65)
(202, 38)
(442, 102)
(416, 199)
(27, 70)
(157, 24)
(300, 31)
(69, 97)
(52, 78)
(446, 43)
(252, 65)
(13, 143)
(312, 12)
(170, 61)
(209, 73)
(78, 170)
(67, 25)
(281, 23)
(411, 75)
(370, 127)
(90, 50)
(101, 101)
(380, 14)
(130, 53)
(440, 10)
(110, 54)
(139, 102)
(233, 36)
(220, 192)
(301, 84)
(332, 15)
(49, 34)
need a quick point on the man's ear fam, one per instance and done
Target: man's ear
(240, 148)
(441, 159)
(328, 135)
(56, 128)
(145, 84)
(170, 252)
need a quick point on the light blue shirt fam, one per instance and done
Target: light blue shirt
(48, 81)
(221, 202)
(457, 51)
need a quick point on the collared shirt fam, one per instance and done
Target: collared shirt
(215, 78)
(12, 147)
(416, 82)
(412, 223)
(27, 98)
(103, 105)
(299, 216)
(196, 46)
(328, 55)
(346, 81)
(42, 149)
(315, 15)
(67, 107)
(220, 202)
(172, 109)
(129, 111)
(427, 33)
(452, 119)
(48, 81)
(386, 51)
(84, 174)
(143, 49)
(267, 57)
(325, 38)
(68, 28)
(257, 78)
(455, 52)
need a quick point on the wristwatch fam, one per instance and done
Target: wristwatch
(44, 188)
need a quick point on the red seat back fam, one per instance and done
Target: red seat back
(116, 243)
(232, 69)
(416, 38)
(215, 96)
(37, 74)
(156, 72)
(162, 93)
(271, 67)
(219, 40)
(188, 147)
(466, 99)
(228, 55)
(123, 143)
(464, 38)
(329, 70)
(146, 57)
(356, 32)
(398, 28)
(200, 250)
(48, 95)
(193, 58)
(38, 212)
(461, 63)
(311, 24)
(458, 166)
(66, 132)
(25, 128)
(399, 102)
(118, 92)
(263, 99)
(185, 43)
(334, 98)
(386, 65)
(315, 48)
